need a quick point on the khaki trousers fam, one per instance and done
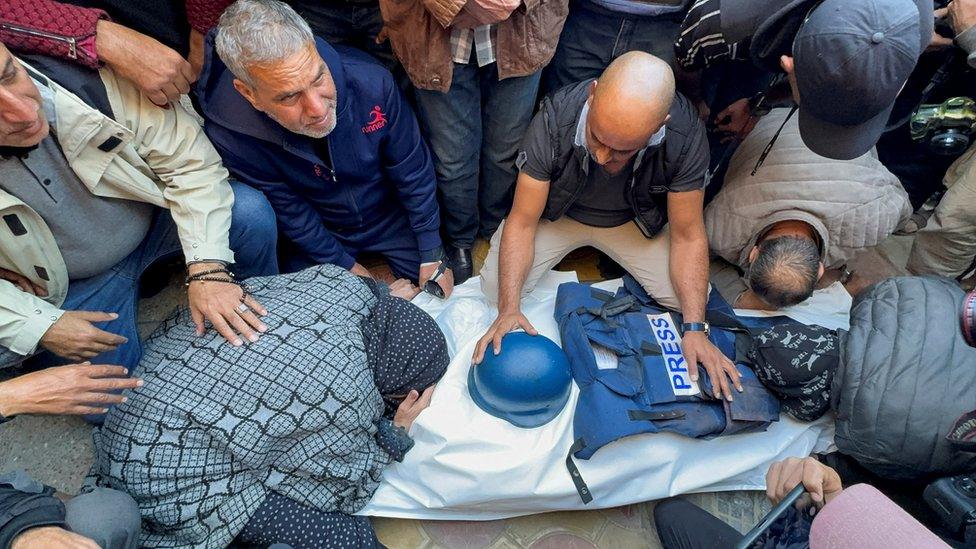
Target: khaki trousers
(947, 244)
(645, 259)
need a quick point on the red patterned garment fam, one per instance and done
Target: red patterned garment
(203, 14)
(68, 32)
(51, 28)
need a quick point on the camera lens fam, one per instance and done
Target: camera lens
(967, 320)
(949, 142)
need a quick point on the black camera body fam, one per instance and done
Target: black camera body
(953, 499)
(947, 127)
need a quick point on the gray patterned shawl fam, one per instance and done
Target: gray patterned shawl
(215, 427)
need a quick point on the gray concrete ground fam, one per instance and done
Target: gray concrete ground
(58, 450)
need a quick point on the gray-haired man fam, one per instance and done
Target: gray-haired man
(328, 139)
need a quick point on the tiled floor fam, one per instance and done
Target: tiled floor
(58, 451)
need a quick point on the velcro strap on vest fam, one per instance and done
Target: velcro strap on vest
(612, 306)
(581, 488)
(600, 295)
(649, 350)
(641, 415)
(721, 319)
(619, 305)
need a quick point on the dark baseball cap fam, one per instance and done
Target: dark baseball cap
(851, 60)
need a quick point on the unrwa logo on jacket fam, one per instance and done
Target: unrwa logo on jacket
(377, 120)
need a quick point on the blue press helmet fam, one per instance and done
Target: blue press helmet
(527, 384)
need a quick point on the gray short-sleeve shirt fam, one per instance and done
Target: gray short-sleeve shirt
(603, 202)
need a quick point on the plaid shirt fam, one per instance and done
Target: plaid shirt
(480, 38)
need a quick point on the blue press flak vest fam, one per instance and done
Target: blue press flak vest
(625, 353)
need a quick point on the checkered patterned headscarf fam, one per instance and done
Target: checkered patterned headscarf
(405, 347)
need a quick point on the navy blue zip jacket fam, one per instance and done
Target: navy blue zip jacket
(381, 165)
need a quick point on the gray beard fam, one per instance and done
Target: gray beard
(310, 133)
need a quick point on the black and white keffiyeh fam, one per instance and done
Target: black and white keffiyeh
(797, 363)
(215, 427)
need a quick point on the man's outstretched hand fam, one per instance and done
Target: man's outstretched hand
(75, 337)
(961, 15)
(157, 70)
(820, 481)
(506, 322)
(737, 120)
(404, 289)
(75, 389)
(698, 349)
(221, 304)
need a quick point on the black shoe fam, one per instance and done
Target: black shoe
(460, 262)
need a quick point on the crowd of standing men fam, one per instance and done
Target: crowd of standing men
(410, 129)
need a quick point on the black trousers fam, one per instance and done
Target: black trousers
(684, 525)
(348, 23)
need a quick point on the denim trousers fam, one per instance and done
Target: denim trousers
(253, 238)
(108, 517)
(474, 131)
(593, 37)
(390, 236)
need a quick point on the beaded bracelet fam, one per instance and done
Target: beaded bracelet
(201, 277)
(220, 270)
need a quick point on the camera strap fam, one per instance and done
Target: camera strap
(769, 146)
(963, 432)
(938, 79)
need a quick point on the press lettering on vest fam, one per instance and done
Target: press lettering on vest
(669, 339)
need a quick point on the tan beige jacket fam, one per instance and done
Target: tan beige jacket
(420, 32)
(153, 155)
(852, 204)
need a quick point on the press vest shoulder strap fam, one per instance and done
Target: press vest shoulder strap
(581, 488)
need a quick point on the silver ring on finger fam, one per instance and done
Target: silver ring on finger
(243, 308)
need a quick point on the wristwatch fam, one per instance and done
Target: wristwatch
(694, 327)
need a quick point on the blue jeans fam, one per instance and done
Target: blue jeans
(474, 131)
(253, 238)
(593, 37)
(390, 236)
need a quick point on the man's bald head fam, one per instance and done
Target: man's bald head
(629, 103)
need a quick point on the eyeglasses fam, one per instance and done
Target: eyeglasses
(431, 286)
